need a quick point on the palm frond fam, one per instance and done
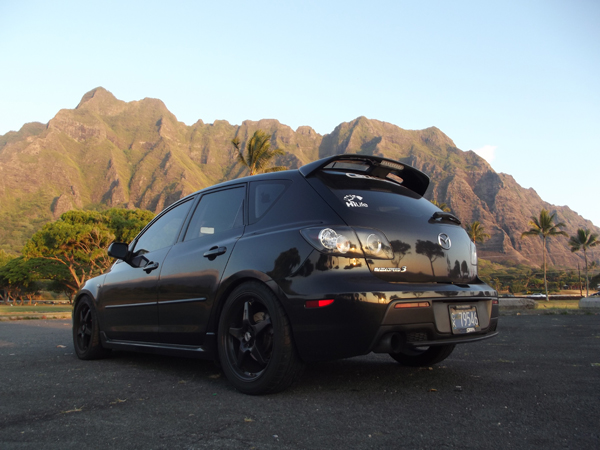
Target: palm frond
(275, 169)
(258, 152)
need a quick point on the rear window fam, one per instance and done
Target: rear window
(356, 193)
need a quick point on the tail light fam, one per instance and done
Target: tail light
(349, 242)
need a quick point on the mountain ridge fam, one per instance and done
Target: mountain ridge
(107, 152)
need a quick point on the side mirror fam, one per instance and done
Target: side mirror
(118, 250)
(139, 261)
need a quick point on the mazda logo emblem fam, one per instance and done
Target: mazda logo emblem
(444, 241)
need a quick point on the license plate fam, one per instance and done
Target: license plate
(464, 319)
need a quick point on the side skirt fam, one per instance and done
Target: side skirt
(206, 351)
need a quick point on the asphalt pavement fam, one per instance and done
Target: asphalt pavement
(536, 385)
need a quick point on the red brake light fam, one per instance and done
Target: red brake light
(318, 303)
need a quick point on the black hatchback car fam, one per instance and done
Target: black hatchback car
(339, 258)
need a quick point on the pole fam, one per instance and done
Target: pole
(580, 287)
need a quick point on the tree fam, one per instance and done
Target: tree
(496, 284)
(401, 249)
(72, 249)
(544, 227)
(443, 206)
(431, 250)
(17, 280)
(476, 232)
(259, 153)
(127, 223)
(58, 275)
(584, 240)
(5, 257)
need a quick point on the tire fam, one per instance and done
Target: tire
(420, 357)
(86, 332)
(256, 348)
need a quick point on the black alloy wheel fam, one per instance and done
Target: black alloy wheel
(423, 356)
(86, 333)
(256, 350)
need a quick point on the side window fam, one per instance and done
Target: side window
(263, 195)
(217, 212)
(165, 230)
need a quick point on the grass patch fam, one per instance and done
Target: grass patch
(37, 309)
(557, 304)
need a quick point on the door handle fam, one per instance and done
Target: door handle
(214, 252)
(150, 267)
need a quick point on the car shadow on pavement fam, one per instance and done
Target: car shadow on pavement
(367, 373)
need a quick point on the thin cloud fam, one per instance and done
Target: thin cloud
(487, 152)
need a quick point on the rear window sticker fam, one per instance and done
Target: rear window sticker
(355, 201)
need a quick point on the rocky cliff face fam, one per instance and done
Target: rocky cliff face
(468, 185)
(136, 154)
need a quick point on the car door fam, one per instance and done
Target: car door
(128, 297)
(193, 268)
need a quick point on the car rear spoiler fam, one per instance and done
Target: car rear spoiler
(373, 166)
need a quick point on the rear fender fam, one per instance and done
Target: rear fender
(228, 285)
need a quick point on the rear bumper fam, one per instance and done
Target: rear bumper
(360, 323)
(390, 339)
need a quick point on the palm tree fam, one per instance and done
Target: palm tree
(544, 227)
(259, 153)
(476, 232)
(584, 240)
(442, 206)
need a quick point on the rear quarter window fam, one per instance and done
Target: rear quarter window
(263, 195)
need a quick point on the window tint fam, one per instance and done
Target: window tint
(263, 195)
(165, 230)
(217, 212)
(371, 196)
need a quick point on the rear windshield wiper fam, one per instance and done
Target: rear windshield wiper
(445, 216)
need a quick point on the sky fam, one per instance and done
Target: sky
(516, 81)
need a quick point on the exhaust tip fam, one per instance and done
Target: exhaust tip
(389, 343)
